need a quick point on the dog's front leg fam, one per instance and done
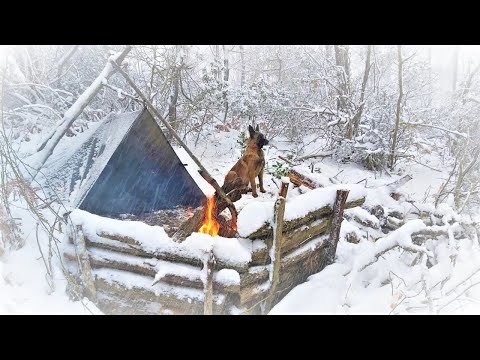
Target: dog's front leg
(252, 184)
(260, 181)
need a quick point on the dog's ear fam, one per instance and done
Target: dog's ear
(257, 128)
(251, 131)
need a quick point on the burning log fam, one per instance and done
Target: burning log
(226, 227)
(210, 224)
(190, 226)
(219, 194)
(208, 221)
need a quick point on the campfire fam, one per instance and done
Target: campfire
(215, 224)
(210, 225)
(209, 220)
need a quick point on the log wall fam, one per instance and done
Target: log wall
(304, 248)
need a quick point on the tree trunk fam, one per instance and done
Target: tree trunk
(353, 129)
(343, 82)
(342, 59)
(393, 149)
(329, 52)
(172, 104)
(226, 72)
(242, 62)
(63, 61)
(217, 63)
(152, 73)
(455, 68)
(430, 76)
(226, 69)
(279, 57)
(468, 84)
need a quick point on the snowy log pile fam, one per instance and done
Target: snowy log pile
(138, 268)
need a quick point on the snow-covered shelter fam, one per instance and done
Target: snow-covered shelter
(124, 165)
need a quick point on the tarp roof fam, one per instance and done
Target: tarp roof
(124, 165)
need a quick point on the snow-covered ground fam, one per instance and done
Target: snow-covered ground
(387, 286)
(24, 288)
(391, 285)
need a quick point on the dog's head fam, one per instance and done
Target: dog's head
(257, 137)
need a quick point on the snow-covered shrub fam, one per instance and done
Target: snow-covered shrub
(368, 150)
(278, 169)
(261, 104)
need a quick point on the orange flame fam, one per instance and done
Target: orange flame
(210, 226)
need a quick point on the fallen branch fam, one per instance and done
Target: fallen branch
(299, 179)
(286, 160)
(401, 238)
(398, 183)
(322, 155)
(420, 163)
(456, 297)
(465, 136)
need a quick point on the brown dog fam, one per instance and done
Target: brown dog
(248, 167)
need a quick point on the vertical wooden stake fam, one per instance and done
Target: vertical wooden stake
(85, 265)
(338, 208)
(208, 285)
(276, 250)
